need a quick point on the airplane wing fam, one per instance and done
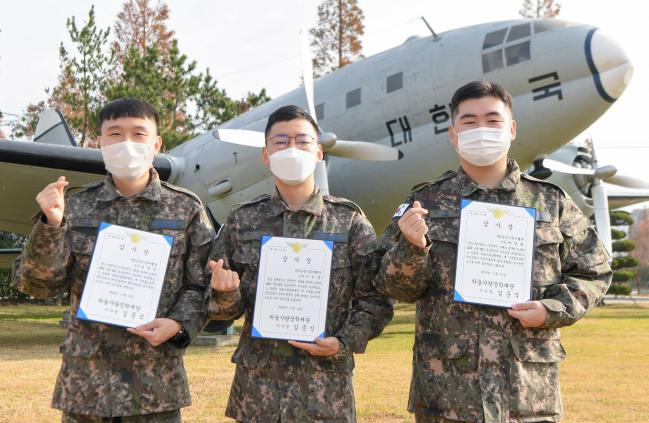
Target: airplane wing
(622, 197)
(7, 256)
(26, 167)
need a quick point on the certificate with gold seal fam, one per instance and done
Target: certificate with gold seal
(125, 276)
(292, 289)
(495, 254)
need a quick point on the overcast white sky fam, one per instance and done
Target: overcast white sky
(250, 44)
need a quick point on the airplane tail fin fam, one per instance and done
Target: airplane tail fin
(52, 129)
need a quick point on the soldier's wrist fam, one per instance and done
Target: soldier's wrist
(45, 220)
(234, 294)
(342, 350)
(181, 339)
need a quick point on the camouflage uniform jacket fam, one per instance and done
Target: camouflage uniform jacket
(274, 380)
(107, 371)
(476, 363)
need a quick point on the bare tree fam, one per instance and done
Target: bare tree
(337, 37)
(141, 26)
(540, 9)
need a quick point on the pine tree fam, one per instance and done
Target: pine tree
(79, 92)
(623, 264)
(640, 235)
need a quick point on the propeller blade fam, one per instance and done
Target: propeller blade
(307, 72)
(602, 218)
(557, 166)
(360, 150)
(241, 137)
(627, 181)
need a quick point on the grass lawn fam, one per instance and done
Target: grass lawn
(604, 379)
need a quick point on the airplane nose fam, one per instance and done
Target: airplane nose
(611, 68)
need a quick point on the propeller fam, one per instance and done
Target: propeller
(358, 150)
(590, 178)
(241, 137)
(627, 181)
(607, 173)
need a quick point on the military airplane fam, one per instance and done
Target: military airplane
(562, 76)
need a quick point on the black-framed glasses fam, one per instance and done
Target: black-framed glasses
(282, 141)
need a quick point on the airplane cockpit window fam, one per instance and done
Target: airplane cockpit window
(394, 82)
(495, 38)
(353, 98)
(517, 53)
(492, 61)
(506, 47)
(319, 111)
(518, 31)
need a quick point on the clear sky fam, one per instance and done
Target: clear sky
(250, 44)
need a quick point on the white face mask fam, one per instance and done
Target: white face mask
(483, 146)
(292, 166)
(128, 160)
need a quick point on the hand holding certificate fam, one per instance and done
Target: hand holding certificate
(495, 250)
(125, 277)
(292, 289)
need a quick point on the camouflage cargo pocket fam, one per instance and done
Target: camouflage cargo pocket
(175, 270)
(331, 396)
(253, 354)
(340, 287)
(547, 260)
(534, 377)
(77, 345)
(442, 365)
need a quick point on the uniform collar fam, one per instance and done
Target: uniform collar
(314, 205)
(509, 183)
(152, 191)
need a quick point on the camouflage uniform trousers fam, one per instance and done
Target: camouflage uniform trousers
(420, 418)
(164, 417)
(292, 394)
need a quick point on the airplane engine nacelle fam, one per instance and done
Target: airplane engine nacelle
(577, 186)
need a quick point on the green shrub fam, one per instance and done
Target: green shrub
(618, 289)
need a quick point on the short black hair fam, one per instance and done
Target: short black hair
(287, 113)
(479, 89)
(128, 107)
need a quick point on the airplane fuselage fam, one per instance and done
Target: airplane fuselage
(562, 78)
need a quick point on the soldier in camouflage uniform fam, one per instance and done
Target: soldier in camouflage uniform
(108, 371)
(478, 363)
(295, 381)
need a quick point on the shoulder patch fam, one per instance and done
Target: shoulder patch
(446, 175)
(401, 210)
(181, 190)
(343, 201)
(249, 202)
